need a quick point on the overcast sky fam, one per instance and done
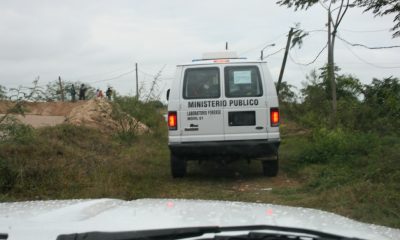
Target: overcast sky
(98, 42)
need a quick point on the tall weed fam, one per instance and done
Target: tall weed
(149, 113)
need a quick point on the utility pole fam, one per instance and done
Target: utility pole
(137, 82)
(226, 46)
(284, 60)
(331, 69)
(61, 88)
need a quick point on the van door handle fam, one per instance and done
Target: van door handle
(259, 128)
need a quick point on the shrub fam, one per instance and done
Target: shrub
(148, 113)
(381, 106)
(16, 132)
(336, 146)
(7, 176)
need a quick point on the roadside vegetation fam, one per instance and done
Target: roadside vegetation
(352, 169)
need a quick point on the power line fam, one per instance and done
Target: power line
(364, 46)
(265, 43)
(160, 77)
(317, 30)
(145, 73)
(315, 59)
(274, 52)
(103, 80)
(112, 78)
(97, 74)
(366, 31)
(311, 31)
(366, 62)
(299, 66)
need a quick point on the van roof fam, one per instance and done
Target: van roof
(225, 57)
(220, 61)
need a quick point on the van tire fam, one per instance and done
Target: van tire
(178, 166)
(270, 167)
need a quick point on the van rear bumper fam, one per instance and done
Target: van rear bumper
(242, 148)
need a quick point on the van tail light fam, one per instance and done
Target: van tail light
(172, 121)
(274, 114)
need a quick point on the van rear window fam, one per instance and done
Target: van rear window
(243, 81)
(201, 83)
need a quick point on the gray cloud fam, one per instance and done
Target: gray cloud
(95, 40)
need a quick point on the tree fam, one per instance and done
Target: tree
(333, 24)
(22, 93)
(382, 102)
(288, 101)
(347, 86)
(381, 8)
(315, 106)
(286, 93)
(53, 92)
(19, 97)
(316, 95)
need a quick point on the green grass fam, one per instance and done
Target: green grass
(349, 173)
(65, 162)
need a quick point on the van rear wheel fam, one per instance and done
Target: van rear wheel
(271, 167)
(178, 166)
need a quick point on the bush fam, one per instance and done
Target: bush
(16, 132)
(336, 146)
(381, 107)
(7, 176)
(148, 113)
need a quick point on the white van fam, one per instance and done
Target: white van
(223, 107)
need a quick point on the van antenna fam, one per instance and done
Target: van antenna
(226, 46)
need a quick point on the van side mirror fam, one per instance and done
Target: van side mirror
(168, 94)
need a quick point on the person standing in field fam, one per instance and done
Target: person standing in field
(73, 93)
(82, 92)
(109, 93)
(100, 94)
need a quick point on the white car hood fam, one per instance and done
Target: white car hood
(47, 219)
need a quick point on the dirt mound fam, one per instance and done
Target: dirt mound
(53, 108)
(44, 108)
(4, 105)
(96, 113)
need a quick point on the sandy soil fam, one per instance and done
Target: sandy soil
(45, 108)
(40, 121)
(96, 113)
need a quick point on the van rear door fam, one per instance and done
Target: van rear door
(246, 115)
(202, 104)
